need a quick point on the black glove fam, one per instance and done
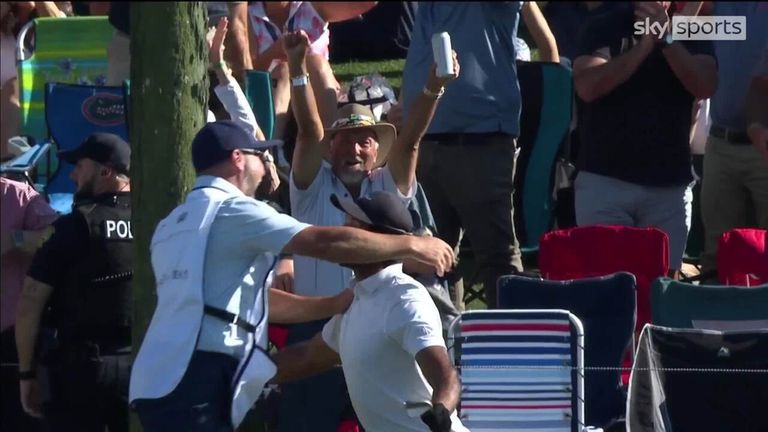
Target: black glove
(437, 418)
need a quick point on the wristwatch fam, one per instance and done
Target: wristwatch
(300, 81)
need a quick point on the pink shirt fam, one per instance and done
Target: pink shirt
(22, 209)
(302, 16)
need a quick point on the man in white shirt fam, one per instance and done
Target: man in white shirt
(389, 341)
(348, 159)
(202, 363)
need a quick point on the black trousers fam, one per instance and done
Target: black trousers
(88, 393)
(12, 416)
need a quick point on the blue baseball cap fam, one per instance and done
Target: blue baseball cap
(383, 211)
(216, 141)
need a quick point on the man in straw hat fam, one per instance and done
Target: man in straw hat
(348, 159)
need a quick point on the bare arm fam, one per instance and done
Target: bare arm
(303, 360)
(542, 35)
(351, 245)
(34, 297)
(440, 375)
(697, 73)
(594, 76)
(238, 55)
(405, 152)
(308, 155)
(287, 308)
(342, 11)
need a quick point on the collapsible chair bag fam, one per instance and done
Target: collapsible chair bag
(699, 380)
(519, 370)
(73, 112)
(742, 257)
(684, 305)
(606, 307)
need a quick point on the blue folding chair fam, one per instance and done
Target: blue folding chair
(606, 306)
(520, 370)
(72, 112)
(21, 166)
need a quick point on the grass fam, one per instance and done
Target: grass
(392, 70)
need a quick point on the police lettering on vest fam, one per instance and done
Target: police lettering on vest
(117, 230)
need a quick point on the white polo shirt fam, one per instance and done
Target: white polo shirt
(314, 277)
(390, 320)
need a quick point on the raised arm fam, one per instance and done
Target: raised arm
(304, 359)
(405, 152)
(595, 76)
(309, 151)
(239, 55)
(539, 29)
(697, 73)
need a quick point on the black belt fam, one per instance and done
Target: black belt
(230, 318)
(466, 138)
(729, 135)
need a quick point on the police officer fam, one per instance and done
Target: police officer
(79, 285)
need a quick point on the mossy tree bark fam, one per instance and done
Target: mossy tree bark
(167, 106)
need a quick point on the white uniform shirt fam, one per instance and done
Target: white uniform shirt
(313, 277)
(390, 320)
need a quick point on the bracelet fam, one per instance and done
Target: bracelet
(27, 375)
(432, 94)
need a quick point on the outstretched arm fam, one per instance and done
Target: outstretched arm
(287, 308)
(303, 360)
(239, 54)
(404, 154)
(309, 151)
(542, 35)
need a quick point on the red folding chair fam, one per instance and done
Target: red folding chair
(742, 257)
(599, 250)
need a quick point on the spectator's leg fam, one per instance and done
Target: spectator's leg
(757, 183)
(118, 59)
(281, 96)
(325, 86)
(75, 404)
(724, 197)
(668, 209)
(10, 115)
(604, 201)
(314, 404)
(431, 177)
(481, 178)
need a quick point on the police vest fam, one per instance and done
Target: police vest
(97, 302)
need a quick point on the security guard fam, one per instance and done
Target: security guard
(81, 275)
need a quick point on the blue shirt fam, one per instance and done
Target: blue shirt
(737, 61)
(486, 96)
(243, 229)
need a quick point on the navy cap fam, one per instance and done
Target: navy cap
(384, 211)
(216, 140)
(105, 148)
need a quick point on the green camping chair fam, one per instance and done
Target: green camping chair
(71, 50)
(258, 90)
(684, 305)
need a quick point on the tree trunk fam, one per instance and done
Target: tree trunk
(167, 106)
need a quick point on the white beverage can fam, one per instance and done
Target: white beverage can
(441, 50)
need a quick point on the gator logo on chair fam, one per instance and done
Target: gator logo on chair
(104, 109)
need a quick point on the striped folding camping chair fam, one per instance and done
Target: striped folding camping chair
(519, 370)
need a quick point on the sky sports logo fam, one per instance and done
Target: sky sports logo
(686, 27)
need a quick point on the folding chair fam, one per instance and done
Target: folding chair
(258, 91)
(519, 369)
(742, 257)
(699, 380)
(714, 307)
(21, 166)
(71, 50)
(73, 112)
(606, 306)
(599, 250)
(546, 90)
